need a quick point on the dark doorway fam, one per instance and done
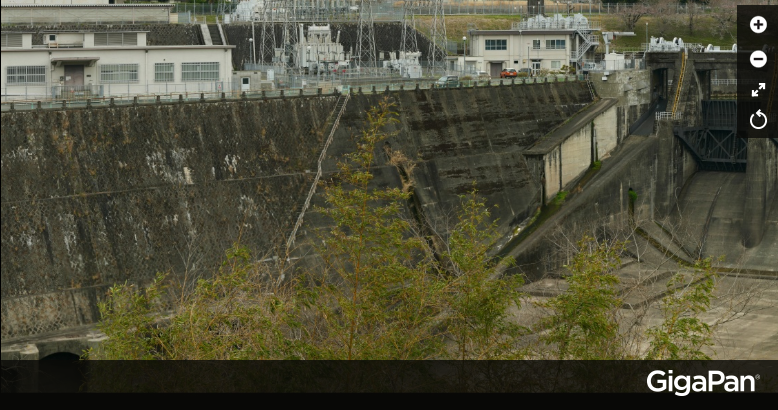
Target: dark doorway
(74, 75)
(60, 372)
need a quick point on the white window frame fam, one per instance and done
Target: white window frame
(495, 44)
(115, 39)
(119, 73)
(25, 74)
(556, 63)
(200, 72)
(536, 44)
(555, 44)
(12, 40)
(164, 72)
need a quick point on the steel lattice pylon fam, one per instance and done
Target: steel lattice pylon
(268, 36)
(366, 50)
(287, 14)
(409, 43)
(437, 51)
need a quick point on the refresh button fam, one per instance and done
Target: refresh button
(759, 113)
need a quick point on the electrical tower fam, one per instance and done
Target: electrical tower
(288, 14)
(436, 58)
(366, 50)
(409, 43)
(267, 40)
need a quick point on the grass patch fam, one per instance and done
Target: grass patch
(560, 197)
(596, 165)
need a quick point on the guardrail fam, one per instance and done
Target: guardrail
(376, 87)
(666, 115)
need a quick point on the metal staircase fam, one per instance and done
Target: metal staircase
(340, 108)
(679, 84)
(589, 41)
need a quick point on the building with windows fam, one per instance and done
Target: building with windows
(536, 44)
(88, 64)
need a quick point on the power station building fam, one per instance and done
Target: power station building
(538, 43)
(91, 64)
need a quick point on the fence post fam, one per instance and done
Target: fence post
(38, 105)
(88, 103)
(417, 86)
(12, 107)
(64, 104)
(202, 97)
(224, 97)
(318, 91)
(158, 101)
(301, 92)
(135, 101)
(263, 95)
(243, 95)
(282, 94)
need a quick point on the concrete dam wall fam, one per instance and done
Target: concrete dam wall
(94, 197)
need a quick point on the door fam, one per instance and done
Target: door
(494, 69)
(74, 82)
(245, 84)
(74, 75)
(535, 68)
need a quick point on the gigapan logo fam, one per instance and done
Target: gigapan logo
(660, 381)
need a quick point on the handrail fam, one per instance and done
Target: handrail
(680, 84)
(344, 98)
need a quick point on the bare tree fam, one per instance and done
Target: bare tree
(630, 14)
(724, 15)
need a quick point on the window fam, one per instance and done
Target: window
(12, 40)
(119, 73)
(496, 44)
(26, 74)
(52, 38)
(555, 44)
(199, 71)
(536, 44)
(116, 39)
(163, 72)
(556, 65)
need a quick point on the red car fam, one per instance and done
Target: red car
(508, 72)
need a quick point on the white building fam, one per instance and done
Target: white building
(535, 44)
(87, 64)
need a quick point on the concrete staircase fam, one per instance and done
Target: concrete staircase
(216, 34)
(213, 35)
(340, 108)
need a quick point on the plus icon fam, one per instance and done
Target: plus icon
(758, 24)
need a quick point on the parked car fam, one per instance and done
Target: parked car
(447, 81)
(524, 72)
(482, 75)
(508, 73)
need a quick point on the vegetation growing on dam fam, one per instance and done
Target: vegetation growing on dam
(388, 290)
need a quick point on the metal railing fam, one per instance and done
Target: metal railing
(666, 115)
(367, 87)
(725, 81)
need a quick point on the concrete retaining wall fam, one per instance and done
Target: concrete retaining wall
(93, 197)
